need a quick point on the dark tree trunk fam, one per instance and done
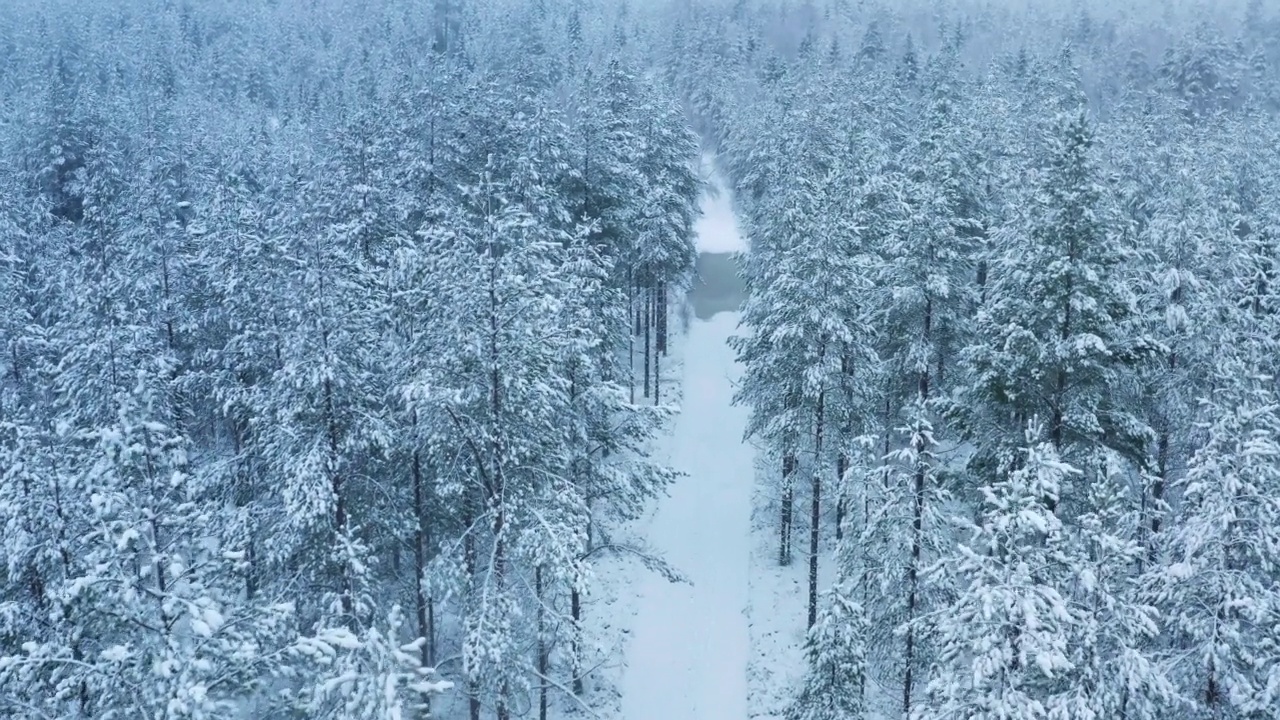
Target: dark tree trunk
(659, 345)
(1060, 392)
(661, 311)
(644, 302)
(788, 485)
(842, 466)
(638, 307)
(245, 498)
(575, 593)
(339, 504)
(575, 610)
(1212, 695)
(542, 645)
(917, 534)
(909, 656)
(913, 569)
(425, 605)
(497, 490)
(499, 577)
(657, 378)
(1162, 476)
(815, 512)
(469, 557)
(631, 344)
(1059, 397)
(888, 435)
(65, 555)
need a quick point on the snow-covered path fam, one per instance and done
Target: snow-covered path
(687, 657)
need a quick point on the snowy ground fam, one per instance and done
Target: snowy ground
(689, 641)
(717, 229)
(688, 648)
(779, 595)
(727, 644)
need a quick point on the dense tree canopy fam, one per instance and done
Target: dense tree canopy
(316, 333)
(331, 342)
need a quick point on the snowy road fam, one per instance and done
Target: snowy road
(687, 657)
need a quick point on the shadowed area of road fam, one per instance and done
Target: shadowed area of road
(718, 285)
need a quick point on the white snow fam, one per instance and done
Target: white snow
(717, 230)
(779, 600)
(689, 642)
(688, 650)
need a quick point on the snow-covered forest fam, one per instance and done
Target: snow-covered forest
(347, 369)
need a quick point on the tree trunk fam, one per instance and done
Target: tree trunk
(575, 610)
(542, 645)
(65, 555)
(788, 480)
(661, 312)
(469, 558)
(425, 605)
(657, 333)
(815, 512)
(842, 466)
(1157, 490)
(1162, 475)
(497, 491)
(657, 352)
(913, 589)
(657, 378)
(645, 311)
(638, 307)
(575, 593)
(913, 569)
(339, 503)
(888, 435)
(245, 493)
(631, 343)
(499, 578)
(1060, 392)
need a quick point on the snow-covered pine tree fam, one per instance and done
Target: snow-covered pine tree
(804, 335)
(1053, 337)
(923, 283)
(836, 657)
(1217, 585)
(665, 241)
(500, 383)
(1185, 245)
(1004, 642)
(317, 420)
(1117, 671)
(896, 529)
(363, 670)
(606, 191)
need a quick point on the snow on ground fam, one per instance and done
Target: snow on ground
(727, 644)
(779, 595)
(687, 657)
(611, 602)
(717, 230)
(688, 646)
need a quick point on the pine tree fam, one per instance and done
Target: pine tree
(899, 527)
(836, 654)
(1004, 643)
(1217, 586)
(1117, 670)
(1054, 335)
(804, 336)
